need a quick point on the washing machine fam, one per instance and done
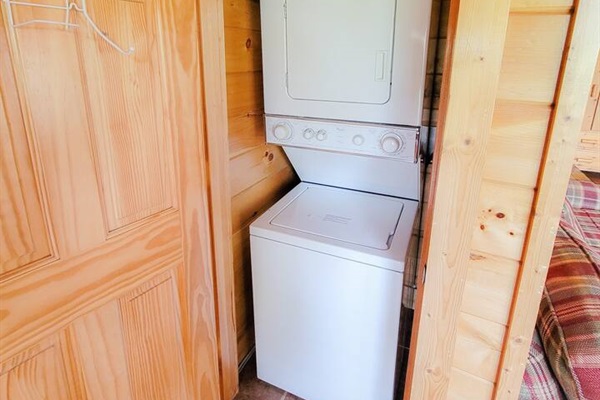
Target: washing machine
(328, 260)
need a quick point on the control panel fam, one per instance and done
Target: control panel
(387, 141)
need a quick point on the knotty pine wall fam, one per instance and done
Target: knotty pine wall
(260, 173)
(489, 219)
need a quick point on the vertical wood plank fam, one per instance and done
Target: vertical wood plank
(576, 76)
(217, 152)
(468, 96)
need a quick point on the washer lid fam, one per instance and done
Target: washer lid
(353, 217)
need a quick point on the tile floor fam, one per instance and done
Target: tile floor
(251, 388)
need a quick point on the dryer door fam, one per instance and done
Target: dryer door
(340, 50)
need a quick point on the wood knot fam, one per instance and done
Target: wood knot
(500, 215)
(271, 156)
(248, 43)
(482, 227)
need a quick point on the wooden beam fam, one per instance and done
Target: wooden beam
(477, 36)
(576, 76)
(217, 146)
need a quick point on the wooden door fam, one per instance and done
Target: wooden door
(106, 282)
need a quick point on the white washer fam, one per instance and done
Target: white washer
(327, 270)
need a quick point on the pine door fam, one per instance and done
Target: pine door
(106, 289)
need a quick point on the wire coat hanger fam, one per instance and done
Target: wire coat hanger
(69, 5)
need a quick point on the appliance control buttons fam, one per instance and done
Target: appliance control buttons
(308, 134)
(358, 140)
(321, 135)
(391, 143)
(282, 131)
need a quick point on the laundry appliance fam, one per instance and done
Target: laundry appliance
(344, 83)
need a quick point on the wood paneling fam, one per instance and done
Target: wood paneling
(587, 157)
(259, 173)
(24, 235)
(460, 158)
(502, 165)
(571, 96)
(523, 59)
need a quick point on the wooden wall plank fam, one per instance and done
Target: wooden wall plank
(503, 216)
(516, 146)
(461, 150)
(256, 164)
(576, 76)
(464, 386)
(243, 50)
(522, 58)
(489, 285)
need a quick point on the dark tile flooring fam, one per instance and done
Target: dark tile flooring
(252, 388)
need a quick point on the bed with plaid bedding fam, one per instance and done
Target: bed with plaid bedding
(568, 326)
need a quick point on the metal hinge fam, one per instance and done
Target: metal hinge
(285, 9)
(424, 273)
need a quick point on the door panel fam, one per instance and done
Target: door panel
(108, 169)
(36, 374)
(24, 236)
(98, 341)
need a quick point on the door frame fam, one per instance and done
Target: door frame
(216, 144)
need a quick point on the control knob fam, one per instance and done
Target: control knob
(308, 134)
(321, 135)
(282, 131)
(392, 143)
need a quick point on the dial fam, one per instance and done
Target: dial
(392, 143)
(358, 140)
(308, 134)
(321, 135)
(282, 131)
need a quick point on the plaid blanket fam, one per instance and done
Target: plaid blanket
(569, 315)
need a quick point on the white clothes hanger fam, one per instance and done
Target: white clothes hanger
(69, 5)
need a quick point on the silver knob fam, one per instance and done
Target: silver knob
(282, 131)
(321, 135)
(391, 143)
(308, 134)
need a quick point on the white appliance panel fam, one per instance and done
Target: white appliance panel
(392, 258)
(358, 218)
(317, 88)
(368, 174)
(340, 50)
(326, 327)
(378, 140)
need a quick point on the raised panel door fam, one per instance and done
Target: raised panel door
(106, 204)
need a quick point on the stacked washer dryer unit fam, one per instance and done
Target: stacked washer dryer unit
(344, 83)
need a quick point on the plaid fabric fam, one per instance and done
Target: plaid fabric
(589, 226)
(539, 383)
(569, 316)
(583, 193)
